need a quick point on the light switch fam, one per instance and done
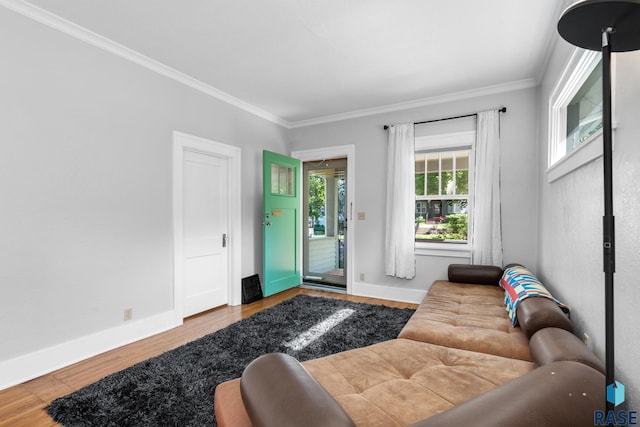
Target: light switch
(361, 216)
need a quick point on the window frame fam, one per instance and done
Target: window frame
(560, 163)
(453, 141)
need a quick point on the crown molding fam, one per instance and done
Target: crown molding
(552, 41)
(441, 99)
(65, 26)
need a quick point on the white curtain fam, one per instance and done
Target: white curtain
(401, 193)
(486, 223)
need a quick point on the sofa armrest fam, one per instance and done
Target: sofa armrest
(537, 313)
(559, 394)
(550, 345)
(278, 391)
(474, 274)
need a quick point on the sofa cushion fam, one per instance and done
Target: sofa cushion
(560, 394)
(399, 382)
(554, 345)
(468, 317)
(394, 383)
(228, 405)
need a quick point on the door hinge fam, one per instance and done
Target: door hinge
(224, 240)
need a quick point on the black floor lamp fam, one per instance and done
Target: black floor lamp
(609, 26)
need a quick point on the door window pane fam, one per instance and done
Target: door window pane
(282, 180)
(275, 173)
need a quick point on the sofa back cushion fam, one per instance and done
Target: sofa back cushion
(475, 274)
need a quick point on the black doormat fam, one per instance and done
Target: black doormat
(177, 387)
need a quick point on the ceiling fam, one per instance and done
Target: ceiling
(302, 61)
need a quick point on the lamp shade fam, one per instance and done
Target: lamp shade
(583, 23)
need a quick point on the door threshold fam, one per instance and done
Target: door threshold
(324, 287)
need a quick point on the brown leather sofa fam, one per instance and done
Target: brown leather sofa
(457, 362)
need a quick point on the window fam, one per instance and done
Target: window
(584, 112)
(575, 115)
(442, 165)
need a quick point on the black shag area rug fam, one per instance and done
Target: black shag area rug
(177, 387)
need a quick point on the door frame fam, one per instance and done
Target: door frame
(184, 142)
(348, 151)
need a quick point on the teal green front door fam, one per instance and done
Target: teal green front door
(280, 222)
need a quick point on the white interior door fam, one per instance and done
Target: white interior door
(205, 222)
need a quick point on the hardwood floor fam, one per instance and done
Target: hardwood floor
(24, 404)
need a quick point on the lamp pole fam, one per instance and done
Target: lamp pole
(608, 220)
(608, 26)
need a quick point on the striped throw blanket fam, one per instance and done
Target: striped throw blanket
(518, 284)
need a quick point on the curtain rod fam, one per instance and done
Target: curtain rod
(502, 110)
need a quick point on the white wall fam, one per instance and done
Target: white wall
(85, 186)
(519, 181)
(570, 217)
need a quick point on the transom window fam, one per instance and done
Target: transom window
(575, 115)
(584, 111)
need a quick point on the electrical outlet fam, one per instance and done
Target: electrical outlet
(362, 277)
(128, 314)
(586, 340)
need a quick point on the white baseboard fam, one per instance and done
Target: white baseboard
(29, 366)
(41, 362)
(392, 293)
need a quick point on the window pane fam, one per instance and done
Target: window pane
(420, 165)
(448, 186)
(584, 112)
(420, 162)
(462, 172)
(275, 169)
(283, 180)
(447, 161)
(462, 183)
(420, 184)
(433, 184)
(442, 220)
(421, 212)
(462, 160)
(447, 166)
(433, 174)
(291, 189)
(316, 201)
